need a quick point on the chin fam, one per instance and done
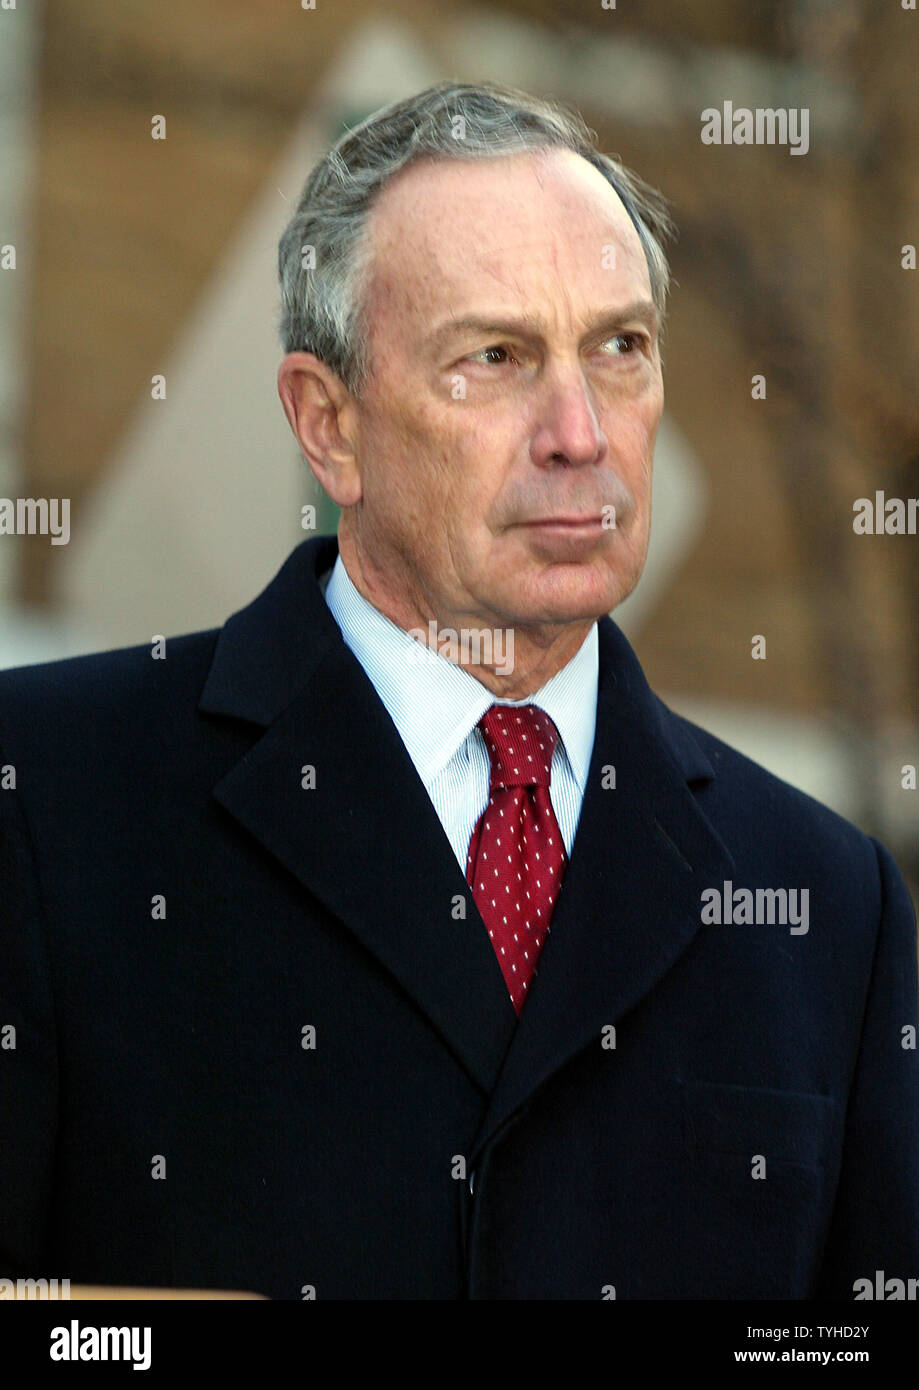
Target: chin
(570, 594)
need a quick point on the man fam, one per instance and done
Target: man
(396, 941)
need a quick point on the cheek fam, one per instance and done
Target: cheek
(471, 460)
(631, 435)
(400, 464)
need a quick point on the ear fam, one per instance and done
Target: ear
(322, 414)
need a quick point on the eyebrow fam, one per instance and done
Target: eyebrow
(642, 310)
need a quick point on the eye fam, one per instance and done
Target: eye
(487, 353)
(626, 342)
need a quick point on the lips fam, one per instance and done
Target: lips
(565, 521)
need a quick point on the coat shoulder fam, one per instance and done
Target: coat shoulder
(755, 808)
(103, 693)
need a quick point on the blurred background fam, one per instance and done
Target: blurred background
(138, 345)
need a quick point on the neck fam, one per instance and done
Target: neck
(513, 662)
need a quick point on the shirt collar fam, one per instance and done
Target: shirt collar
(435, 704)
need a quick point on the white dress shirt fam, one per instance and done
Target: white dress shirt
(436, 704)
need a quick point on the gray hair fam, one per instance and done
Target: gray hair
(323, 254)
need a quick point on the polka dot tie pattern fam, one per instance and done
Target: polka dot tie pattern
(516, 854)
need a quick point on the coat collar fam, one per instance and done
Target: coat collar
(366, 840)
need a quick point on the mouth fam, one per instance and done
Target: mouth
(567, 537)
(567, 523)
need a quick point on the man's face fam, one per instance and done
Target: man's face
(514, 397)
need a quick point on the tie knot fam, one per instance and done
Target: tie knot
(520, 740)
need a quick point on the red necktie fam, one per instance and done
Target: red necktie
(516, 854)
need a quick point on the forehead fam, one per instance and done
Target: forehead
(535, 226)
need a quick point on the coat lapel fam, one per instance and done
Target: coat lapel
(366, 840)
(630, 901)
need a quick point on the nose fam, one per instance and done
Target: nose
(569, 431)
